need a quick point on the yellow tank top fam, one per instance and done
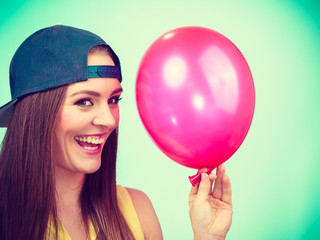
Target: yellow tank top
(127, 209)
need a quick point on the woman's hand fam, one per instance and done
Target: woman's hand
(211, 210)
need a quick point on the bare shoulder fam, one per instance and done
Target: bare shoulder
(137, 196)
(146, 214)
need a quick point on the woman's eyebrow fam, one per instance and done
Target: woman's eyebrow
(119, 90)
(94, 93)
(88, 92)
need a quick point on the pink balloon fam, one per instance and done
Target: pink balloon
(195, 96)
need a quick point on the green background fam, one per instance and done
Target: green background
(275, 173)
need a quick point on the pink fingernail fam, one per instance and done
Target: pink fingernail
(203, 177)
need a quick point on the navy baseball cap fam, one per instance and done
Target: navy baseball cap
(54, 57)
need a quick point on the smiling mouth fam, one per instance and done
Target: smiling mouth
(90, 143)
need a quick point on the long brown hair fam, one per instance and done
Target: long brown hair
(27, 187)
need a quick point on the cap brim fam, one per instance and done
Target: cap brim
(5, 113)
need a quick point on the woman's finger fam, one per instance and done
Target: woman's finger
(212, 177)
(226, 190)
(204, 188)
(194, 189)
(217, 189)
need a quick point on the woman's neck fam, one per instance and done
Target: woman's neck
(68, 187)
(68, 190)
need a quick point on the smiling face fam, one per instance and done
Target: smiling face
(88, 115)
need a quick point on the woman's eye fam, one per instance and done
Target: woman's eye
(84, 102)
(114, 100)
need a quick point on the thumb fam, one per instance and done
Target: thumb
(204, 188)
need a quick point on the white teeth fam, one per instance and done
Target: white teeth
(90, 148)
(92, 140)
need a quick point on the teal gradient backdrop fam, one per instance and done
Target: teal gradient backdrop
(275, 172)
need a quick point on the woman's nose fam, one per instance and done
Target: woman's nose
(106, 117)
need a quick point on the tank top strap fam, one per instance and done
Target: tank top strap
(129, 212)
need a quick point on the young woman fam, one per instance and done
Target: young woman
(58, 157)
